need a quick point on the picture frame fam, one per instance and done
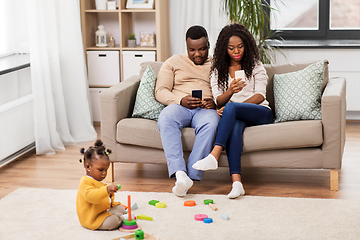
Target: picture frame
(147, 39)
(149, 4)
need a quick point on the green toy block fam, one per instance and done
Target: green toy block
(153, 202)
(207, 201)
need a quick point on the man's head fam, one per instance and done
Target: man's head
(197, 44)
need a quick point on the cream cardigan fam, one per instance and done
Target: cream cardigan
(256, 84)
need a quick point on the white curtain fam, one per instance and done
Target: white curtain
(186, 13)
(61, 105)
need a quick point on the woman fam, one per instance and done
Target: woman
(242, 102)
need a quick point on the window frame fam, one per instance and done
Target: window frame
(323, 33)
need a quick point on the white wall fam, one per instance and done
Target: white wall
(342, 63)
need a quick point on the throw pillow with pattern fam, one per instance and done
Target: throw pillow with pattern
(146, 106)
(297, 95)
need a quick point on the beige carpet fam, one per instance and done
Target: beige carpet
(29, 213)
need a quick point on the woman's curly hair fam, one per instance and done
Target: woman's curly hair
(221, 59)
(97, 150)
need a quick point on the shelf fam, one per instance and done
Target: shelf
(139, 49)
(102, 11)
(117, 47)
(138, 10)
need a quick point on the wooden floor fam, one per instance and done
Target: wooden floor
(63, 171)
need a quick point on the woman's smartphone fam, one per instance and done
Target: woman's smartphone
(240, 74)
(197, 94)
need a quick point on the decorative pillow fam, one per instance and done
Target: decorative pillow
(146, 105)
(297, 95)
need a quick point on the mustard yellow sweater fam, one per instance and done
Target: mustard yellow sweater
(92, 203)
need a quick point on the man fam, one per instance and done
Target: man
(178, 76)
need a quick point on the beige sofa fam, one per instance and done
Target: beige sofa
(306, 144)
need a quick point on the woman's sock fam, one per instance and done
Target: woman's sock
(208, 163)
(182, 185)
(237, 190)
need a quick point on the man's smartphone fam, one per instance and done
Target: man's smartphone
(240, 74)
(197, 94)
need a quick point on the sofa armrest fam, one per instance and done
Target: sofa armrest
(333, 104)
(116, 103)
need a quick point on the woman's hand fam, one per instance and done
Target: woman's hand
(220, 111)
(236, 85)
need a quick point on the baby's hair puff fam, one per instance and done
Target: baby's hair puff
(97, 150)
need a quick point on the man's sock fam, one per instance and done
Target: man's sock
(208, 163)
(182, 185)
(237, 190)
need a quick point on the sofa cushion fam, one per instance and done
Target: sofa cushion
(285, 135)
(155, 66)
(146, 106)
(272, 69)
(296, 134)
(297, 95)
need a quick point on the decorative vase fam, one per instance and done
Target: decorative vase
(131, 42)
(100, 4)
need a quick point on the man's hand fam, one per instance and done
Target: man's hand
(190, 102)
(208, 103)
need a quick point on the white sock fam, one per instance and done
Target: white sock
(208, 163)
(182, 185)
(237, 190)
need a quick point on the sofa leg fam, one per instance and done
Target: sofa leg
(334, 180)
(110, 175)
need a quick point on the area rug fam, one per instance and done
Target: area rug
(29, 213)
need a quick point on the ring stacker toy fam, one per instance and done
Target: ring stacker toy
(210, 203)
(129, 224)
(153, 202)
(189, 203)
(200, 217)
(132, 236)
(160, 205)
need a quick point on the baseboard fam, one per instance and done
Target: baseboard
(17, 154)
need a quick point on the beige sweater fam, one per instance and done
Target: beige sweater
(178, 76)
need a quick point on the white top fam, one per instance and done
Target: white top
(256, 84)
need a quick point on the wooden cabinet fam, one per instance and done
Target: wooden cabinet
(122, 22)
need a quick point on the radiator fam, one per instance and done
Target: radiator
(352, 91)
(16, 128)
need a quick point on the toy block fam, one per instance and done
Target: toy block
(153, 202)
(224, 216)
(134, 206)
(144, 217)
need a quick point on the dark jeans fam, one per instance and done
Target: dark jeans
(236, 117)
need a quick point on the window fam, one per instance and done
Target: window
(316, 19)
(6, 39)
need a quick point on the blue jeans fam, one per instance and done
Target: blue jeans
(236, 117)
(175, 117)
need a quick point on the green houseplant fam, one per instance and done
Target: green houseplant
(253, 14)
(132, 40)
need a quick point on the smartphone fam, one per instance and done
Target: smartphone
(197, 94)
(240, 74)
